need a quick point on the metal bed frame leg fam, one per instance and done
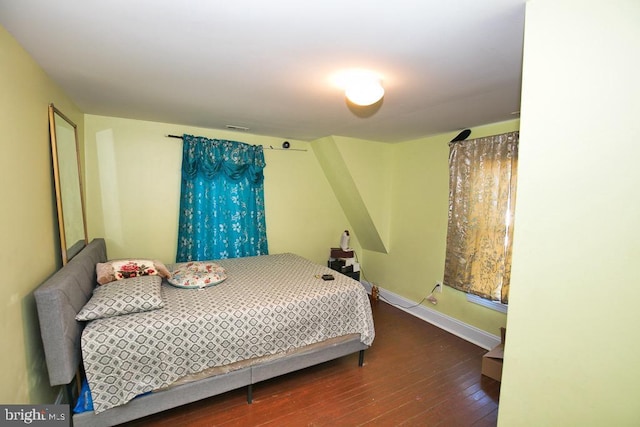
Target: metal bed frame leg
(69, 394)
(361, 358)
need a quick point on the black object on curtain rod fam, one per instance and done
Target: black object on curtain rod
(285, 145)
(461, 136)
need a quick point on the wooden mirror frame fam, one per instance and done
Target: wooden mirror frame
(68, 184)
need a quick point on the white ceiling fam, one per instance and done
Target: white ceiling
(267, 65)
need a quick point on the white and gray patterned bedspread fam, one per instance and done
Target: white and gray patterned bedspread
(268, 304)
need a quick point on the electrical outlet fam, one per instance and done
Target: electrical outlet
(439, 287)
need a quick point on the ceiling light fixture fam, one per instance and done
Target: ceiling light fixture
(361, 87)
(365, 92)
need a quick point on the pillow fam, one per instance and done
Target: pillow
(127, 268)
(123, 297)
(197, 275)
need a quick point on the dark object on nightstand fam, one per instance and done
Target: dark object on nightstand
(336, 264)
(347, 270)
(339, 253)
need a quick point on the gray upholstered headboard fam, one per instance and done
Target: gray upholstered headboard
(58, 300)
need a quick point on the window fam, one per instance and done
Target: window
(221, 200)
(482, 189)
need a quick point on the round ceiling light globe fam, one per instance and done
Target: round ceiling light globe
(365, 93)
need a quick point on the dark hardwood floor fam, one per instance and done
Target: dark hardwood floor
(415, 374)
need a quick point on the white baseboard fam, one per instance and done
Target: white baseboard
(467, 332)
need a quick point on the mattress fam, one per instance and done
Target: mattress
(268, 305)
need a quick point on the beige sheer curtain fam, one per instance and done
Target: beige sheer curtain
(482, 189)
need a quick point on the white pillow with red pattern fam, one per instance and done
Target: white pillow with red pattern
(111, 271)
(197, 275)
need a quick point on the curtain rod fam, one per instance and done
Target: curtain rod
(285, 145)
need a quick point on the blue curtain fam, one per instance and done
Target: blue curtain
(221, 201)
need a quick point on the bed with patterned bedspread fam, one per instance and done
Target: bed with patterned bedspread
(273, 314)
(267, 305)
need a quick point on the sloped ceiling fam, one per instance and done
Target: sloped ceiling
(370, 231)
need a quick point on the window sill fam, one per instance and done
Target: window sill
(502, 308)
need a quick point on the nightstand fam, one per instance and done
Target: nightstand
(344, 262)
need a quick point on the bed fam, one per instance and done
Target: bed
(272, 315)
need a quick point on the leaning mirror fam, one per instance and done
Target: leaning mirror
(66, 175)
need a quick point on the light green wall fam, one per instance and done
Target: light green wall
(133, 189)
(419, 179)
(30, 251)
(572, 353)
